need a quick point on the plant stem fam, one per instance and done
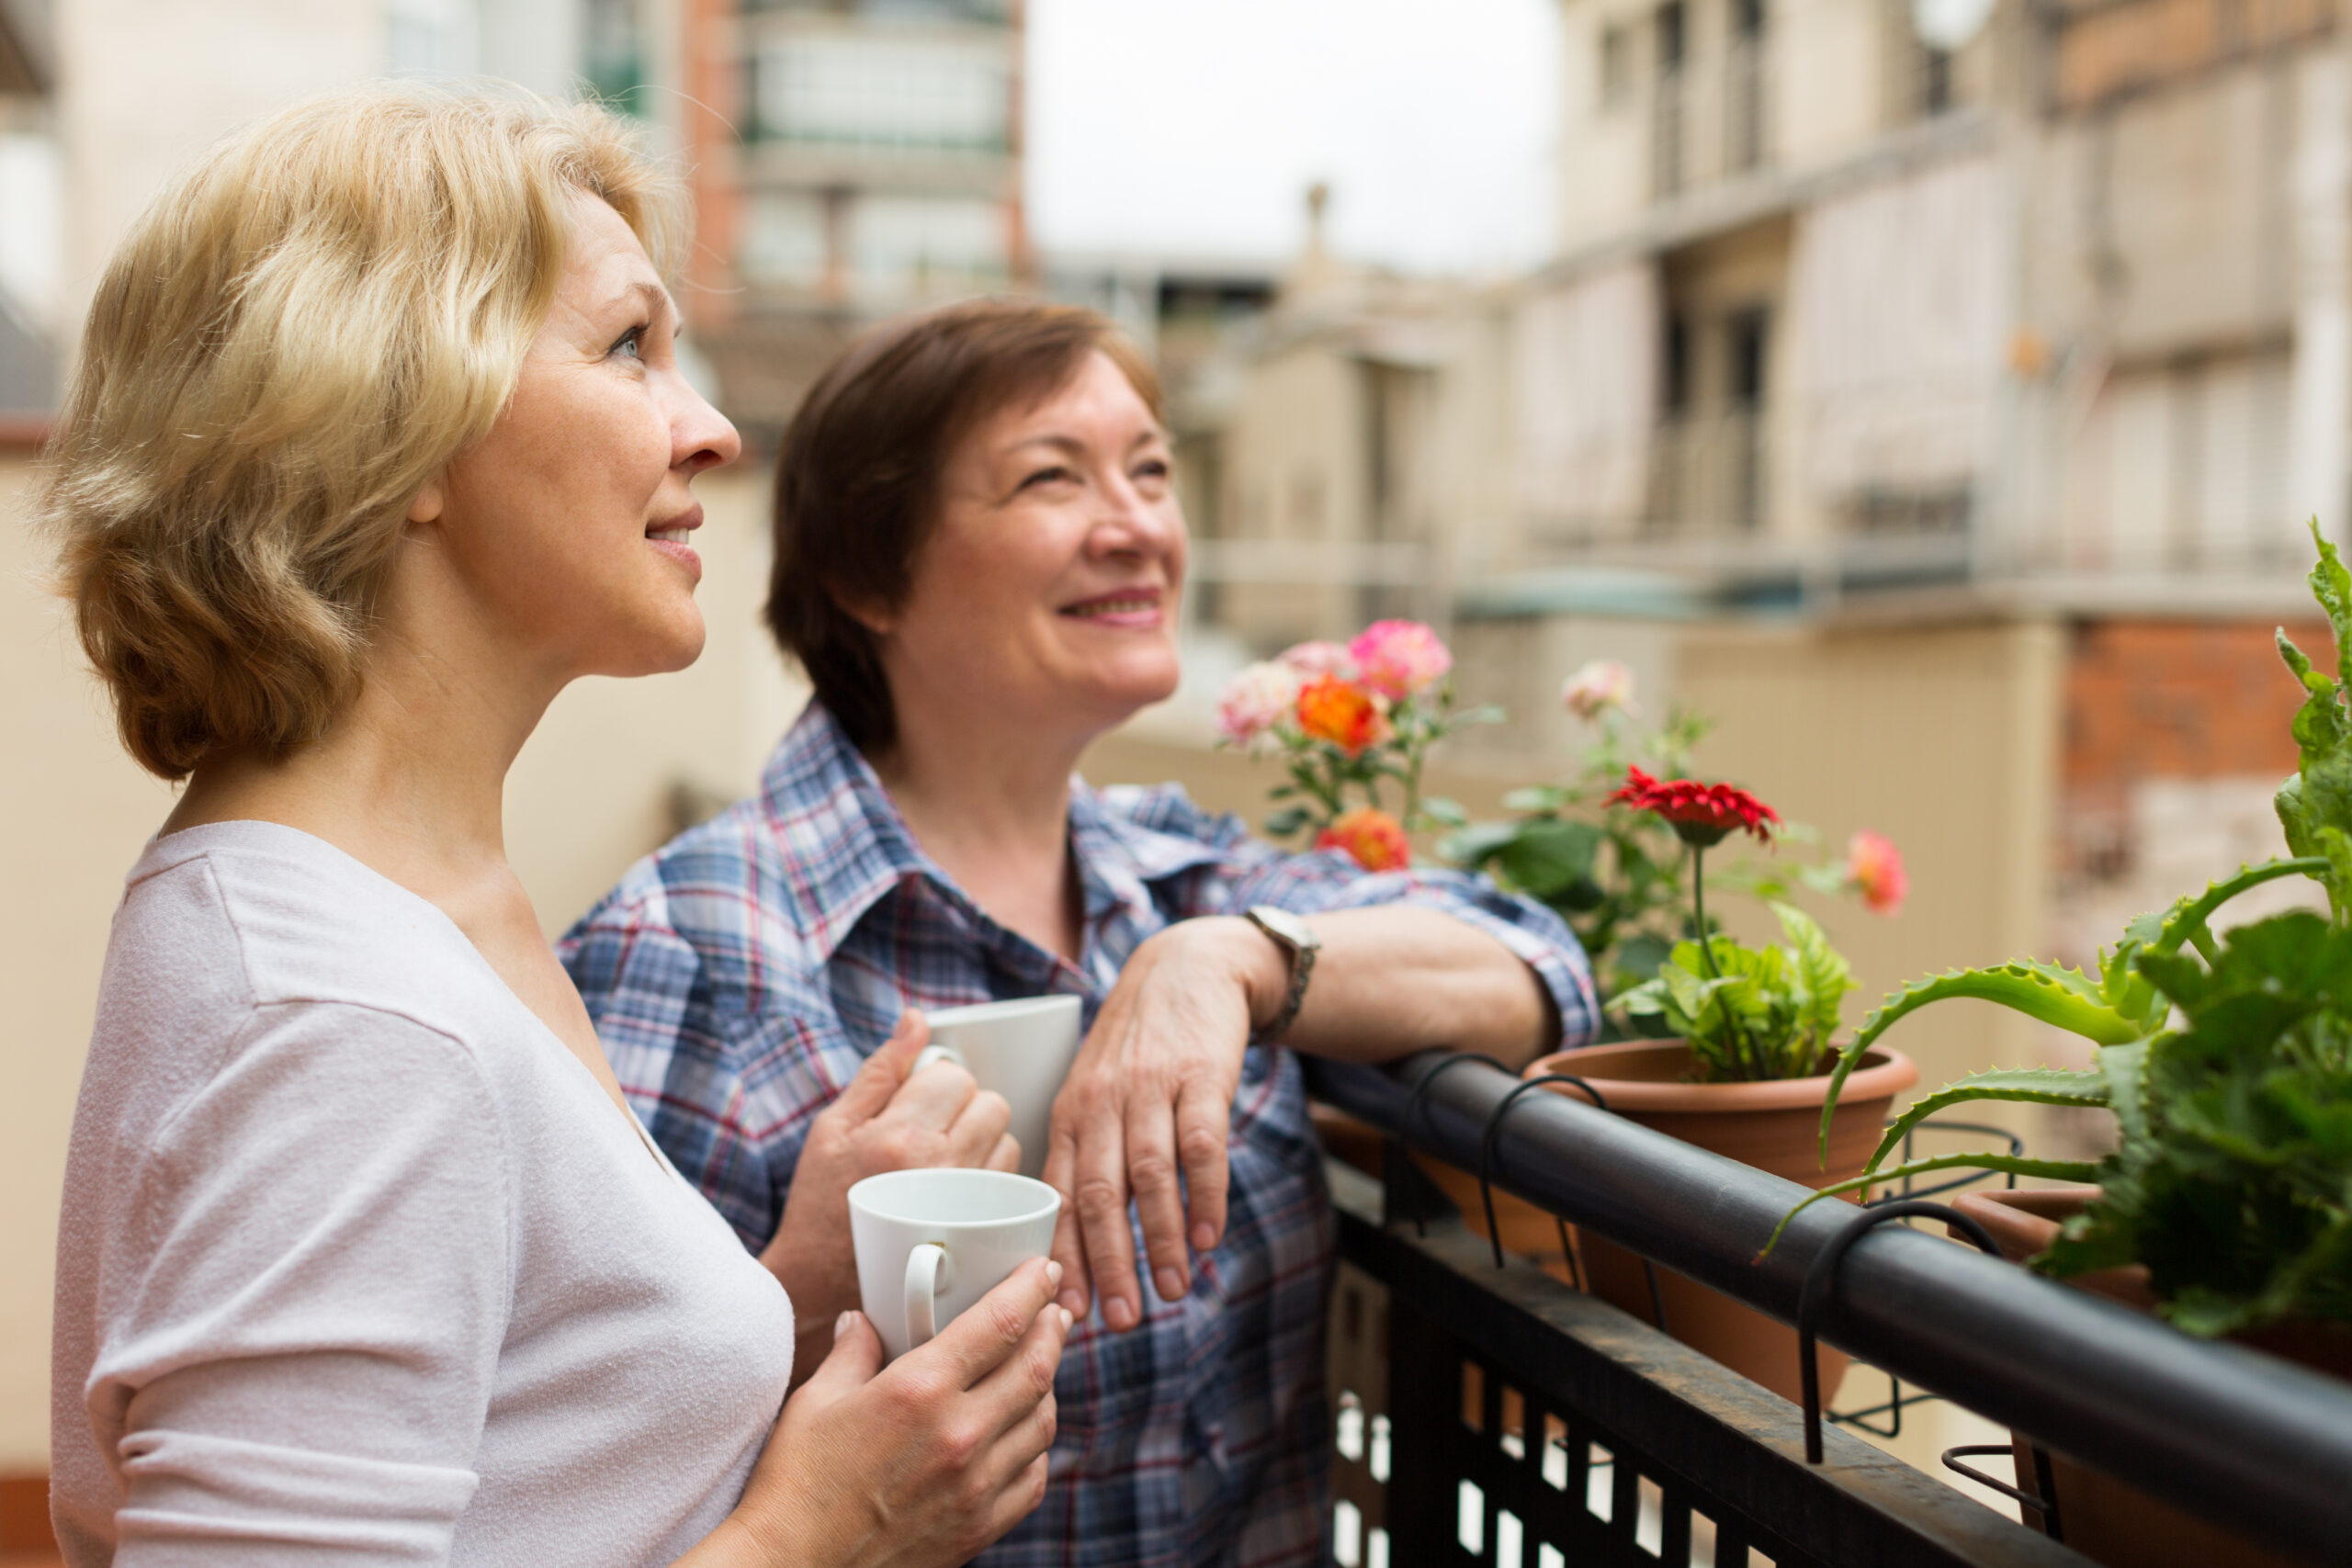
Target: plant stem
(1748, 1056)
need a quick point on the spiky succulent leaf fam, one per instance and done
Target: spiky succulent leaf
(2026, 1085)
(2048, 992)
(2014, 1164)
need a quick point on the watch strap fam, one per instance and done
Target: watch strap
(1302, 969)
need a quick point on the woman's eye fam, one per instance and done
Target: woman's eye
(1047, 477)
(1152, 468)
(630, 345)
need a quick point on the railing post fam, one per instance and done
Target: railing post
(1425, 1402)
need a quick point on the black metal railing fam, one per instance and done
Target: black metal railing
(2253, 1444)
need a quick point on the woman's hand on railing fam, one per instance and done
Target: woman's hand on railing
(918, 1464)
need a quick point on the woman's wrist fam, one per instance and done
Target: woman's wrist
(1248, 956)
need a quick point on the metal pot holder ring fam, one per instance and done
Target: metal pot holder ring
(1819, 1282)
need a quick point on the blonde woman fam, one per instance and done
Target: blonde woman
(379, 439)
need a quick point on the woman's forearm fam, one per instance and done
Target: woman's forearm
(1401, 978)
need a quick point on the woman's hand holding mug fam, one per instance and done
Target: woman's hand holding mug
(889, 1117)
(919, 1463)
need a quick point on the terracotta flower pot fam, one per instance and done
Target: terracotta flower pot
(1775, 1126)
(2106, 1520)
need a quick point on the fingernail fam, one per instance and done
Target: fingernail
(1066, 1318)
(1171, 1283)
(1053, 1272)
(842, 1324)
(1203, 1238)
(1119, 1312)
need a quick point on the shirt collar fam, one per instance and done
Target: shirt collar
(850, 848)
(845, 843)
(1118, 856)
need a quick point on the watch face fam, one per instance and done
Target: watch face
(1286, 926)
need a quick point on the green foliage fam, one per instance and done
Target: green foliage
(2226, 1061)
(1613, 874)
(1749, 1013)
(2315, 805)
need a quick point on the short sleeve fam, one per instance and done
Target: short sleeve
(304, 1308)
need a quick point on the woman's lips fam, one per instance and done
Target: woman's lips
(669, 539)
(1132, 609)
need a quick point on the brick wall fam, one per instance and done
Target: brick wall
(2169, 700)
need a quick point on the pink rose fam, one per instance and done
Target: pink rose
(1874, 867)
(1255, 700)
(1313, 658)
(1397, 659)
(1601, 686)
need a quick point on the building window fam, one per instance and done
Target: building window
(1666, 172)
(1935, 81)
(883, 93)
(1616, 66)
(901, 245)
(784, 239)
(1746, 332)
(1671, 36)
(612, 53)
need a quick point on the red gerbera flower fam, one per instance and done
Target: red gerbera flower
(1701, 814)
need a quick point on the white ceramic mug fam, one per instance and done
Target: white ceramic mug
(1020, 1050)
(930, 1243)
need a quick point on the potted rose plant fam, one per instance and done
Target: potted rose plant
(2226, 1060)
(1353, 726)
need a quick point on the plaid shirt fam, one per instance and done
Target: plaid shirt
(740, 975)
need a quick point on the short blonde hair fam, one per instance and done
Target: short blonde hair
(290, 345)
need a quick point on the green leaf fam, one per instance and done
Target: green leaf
(2332, 587)
(2028, 1086)
(1444, 811)
(1825, 972)
(2124, 1067)
(2066, 997)
(1288, 820)
(2012, 1165)
(1473, 847)
(1547, 855)
(1538, 797)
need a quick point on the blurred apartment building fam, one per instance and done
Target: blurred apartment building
(27, 182)
(853, 159)
(1934, 392)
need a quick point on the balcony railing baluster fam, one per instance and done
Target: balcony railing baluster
(2258, 1447)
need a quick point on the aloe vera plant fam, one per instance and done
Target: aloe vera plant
(2226, 1061)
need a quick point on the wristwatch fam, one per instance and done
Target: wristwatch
(1296, 938)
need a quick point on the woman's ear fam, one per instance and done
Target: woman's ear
(429, 503)
(865, 612)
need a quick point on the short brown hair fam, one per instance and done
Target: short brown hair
(301, 333)
(858, 481)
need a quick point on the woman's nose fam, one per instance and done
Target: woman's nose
(1135, 522)
(700, 436)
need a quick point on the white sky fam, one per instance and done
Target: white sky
(1194, 127)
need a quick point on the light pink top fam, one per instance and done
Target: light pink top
(359, 1265)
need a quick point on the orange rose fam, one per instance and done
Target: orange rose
(1345, 714)
(1375, 839)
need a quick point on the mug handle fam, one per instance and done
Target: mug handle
(929, 1271)
(931, 1054)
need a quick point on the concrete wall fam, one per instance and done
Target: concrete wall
(590, 794)
(1297, 471)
